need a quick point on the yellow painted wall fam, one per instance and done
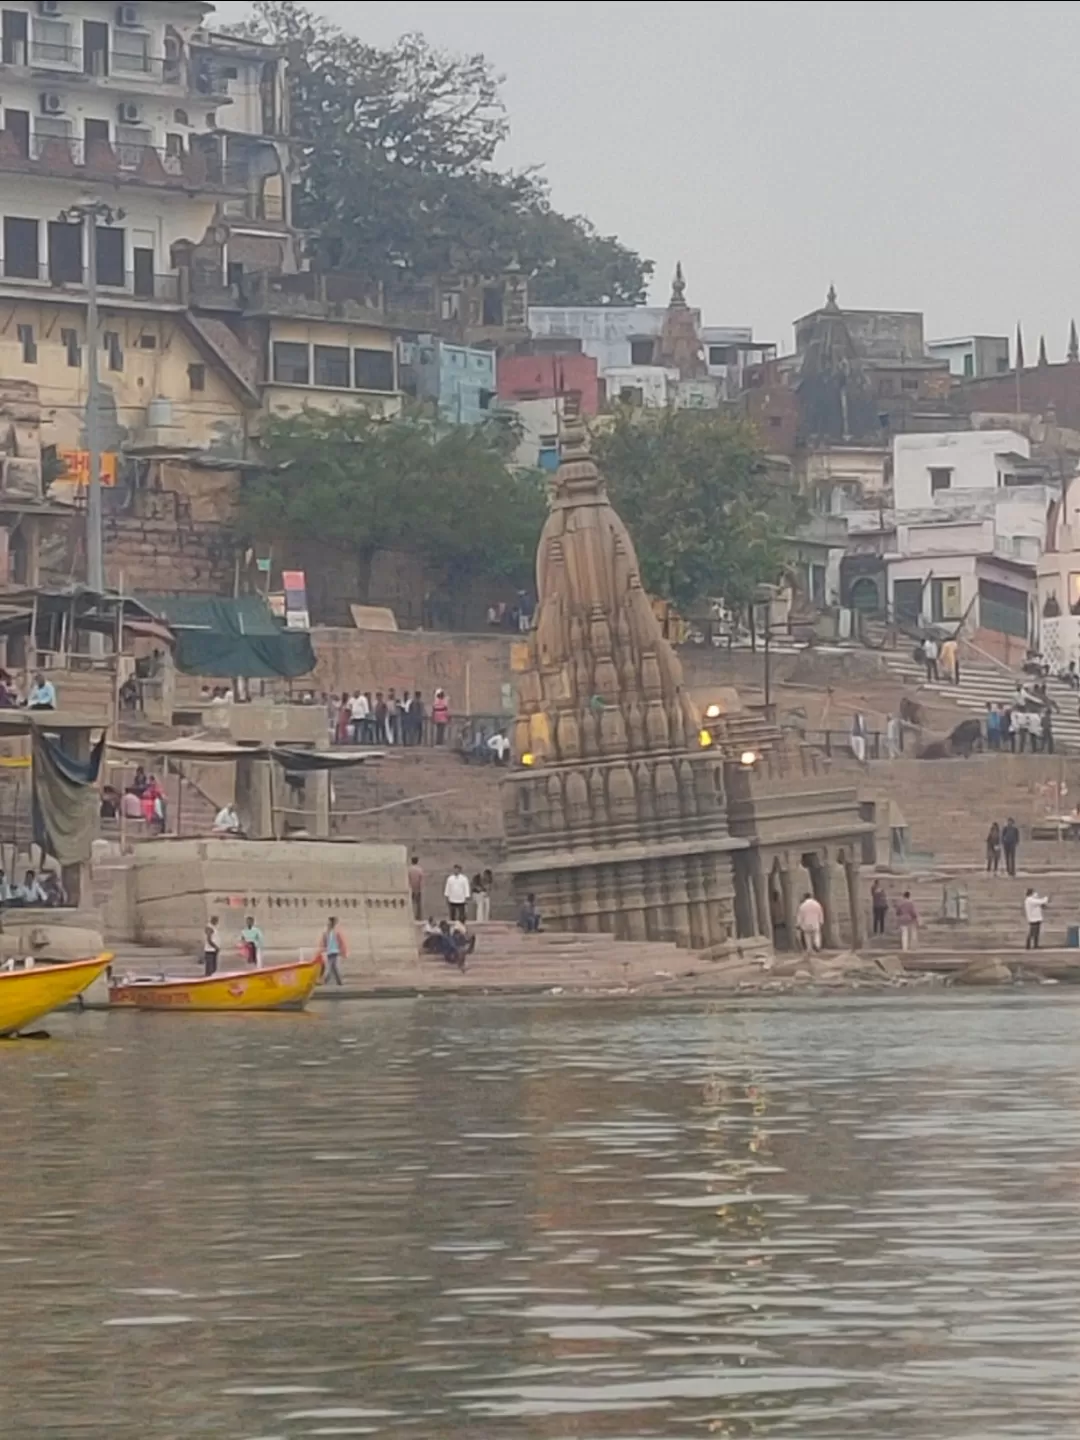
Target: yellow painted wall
(214, 417)
(330, 332)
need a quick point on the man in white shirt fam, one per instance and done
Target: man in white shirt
(1034, 905)
(930, 654)
(457, 891)
(42, 695)
(359, 710)
(810, 921)
(499, 745)
(227, 821)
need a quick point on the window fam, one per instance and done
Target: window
(909, 382)
(110, 343)
(17, 125)
(174, 145)
(132, 142)
(52, 42)
(775, 421)
(196, 375)
(52, 137)
(332, 366)
(70, 341)
(946, 602)
(110, 255)
(147, 342)
(373, 369)
(1002, 364)
(95, 47)
(292, 364)
(20, 248)
(722, 355)
(28, 343)
(486, 397)
(180, 117)
(131, 50)
(96, 132)
(641, 352)
(142, 270)
(451, 304)
(14, 31)
(969, 365)
(492, 305)
(65, 253)
(940, 478)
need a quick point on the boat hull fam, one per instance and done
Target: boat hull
(27, 995)
(275, 987)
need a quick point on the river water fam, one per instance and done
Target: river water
(852, 1218)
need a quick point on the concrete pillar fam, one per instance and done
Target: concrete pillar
(75, 878)
(858, 932)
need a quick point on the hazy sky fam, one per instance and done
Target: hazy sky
(920, 156)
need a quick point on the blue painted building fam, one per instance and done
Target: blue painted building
(459, 378)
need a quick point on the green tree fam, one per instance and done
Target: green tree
(695, 493)
(397, 151)
(355, 484)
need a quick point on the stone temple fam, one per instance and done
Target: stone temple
(619, 823)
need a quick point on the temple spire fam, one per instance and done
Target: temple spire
(1074, 343)
(1042, 352)
(1019, 347)
(830, 298)
(678, 286)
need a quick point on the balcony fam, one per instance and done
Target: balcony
(55, 157)
(137, 286)
(73, 62)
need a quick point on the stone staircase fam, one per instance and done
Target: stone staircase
(994, 903)
(983, 683)
(505, 958)
(435, 805)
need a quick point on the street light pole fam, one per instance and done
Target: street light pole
(95, 547)
(90, 214)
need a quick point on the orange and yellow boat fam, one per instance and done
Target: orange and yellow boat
(275, 987)
(27, 995)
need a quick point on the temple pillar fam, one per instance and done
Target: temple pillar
(761, 890)
(858, 933)
(746, 919)
(788, 881)
(821, 883)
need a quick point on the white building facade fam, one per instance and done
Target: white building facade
(973, 357)
(138, 106)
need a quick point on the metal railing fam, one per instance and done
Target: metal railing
(98, 64)
(142, 164)
(136, 284)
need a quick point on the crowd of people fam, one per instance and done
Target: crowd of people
(387, 718)
(38, 888)
(143, 799)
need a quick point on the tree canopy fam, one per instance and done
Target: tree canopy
(356, 484)
(693, 489)
(398, 170)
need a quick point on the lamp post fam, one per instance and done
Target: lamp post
(89, 214)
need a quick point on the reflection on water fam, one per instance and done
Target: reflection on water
(444, 1219)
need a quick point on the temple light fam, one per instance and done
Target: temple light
(528, 758)
(704, 738)
(748, 758)
(713, 712)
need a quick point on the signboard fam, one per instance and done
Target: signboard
(77, 466)
(296, 611)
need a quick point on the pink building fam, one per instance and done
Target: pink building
(542, 377)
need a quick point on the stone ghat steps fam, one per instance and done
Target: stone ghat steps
(505, 958)
(982, 684)
(994, 907)
(949, 804)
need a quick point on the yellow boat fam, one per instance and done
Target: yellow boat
(276, 987)
(26, 995)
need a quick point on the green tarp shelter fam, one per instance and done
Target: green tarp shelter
(226, 638)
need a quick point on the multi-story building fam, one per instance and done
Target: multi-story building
(971, 357)
(460, 380)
